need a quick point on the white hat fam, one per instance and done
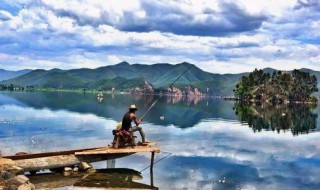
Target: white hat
(133, 107)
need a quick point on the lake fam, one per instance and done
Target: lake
(209, 143)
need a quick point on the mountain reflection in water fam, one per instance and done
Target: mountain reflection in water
(215, 144)
(180, 111)
(121, 178)
(298, 118)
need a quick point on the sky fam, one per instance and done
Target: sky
(218, 36)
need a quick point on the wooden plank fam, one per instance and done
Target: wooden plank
(50, 162)
(46, 154)
(135, 149)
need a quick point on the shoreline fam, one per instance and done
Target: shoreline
(98, 92)
(110, 92)
(258, 101)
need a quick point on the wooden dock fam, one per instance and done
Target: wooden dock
(60, 159)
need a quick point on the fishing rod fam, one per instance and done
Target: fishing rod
(169, 87)
(166, 156)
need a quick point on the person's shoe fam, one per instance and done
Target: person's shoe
(145, 141)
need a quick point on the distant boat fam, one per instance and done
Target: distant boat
(100, 95)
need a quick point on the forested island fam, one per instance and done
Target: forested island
(278, 87)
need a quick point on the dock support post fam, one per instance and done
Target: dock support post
(152, 160)
(111, 163)
(151, 169)
(151, 178)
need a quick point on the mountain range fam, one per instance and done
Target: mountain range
(6, 75)
(124, 75)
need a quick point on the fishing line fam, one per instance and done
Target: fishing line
(169, 87)
(168, 154)
(158, 138)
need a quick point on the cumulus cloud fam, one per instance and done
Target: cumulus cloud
(201, 18)
(5, 15)
(218, 20)
(226, 36)
(314, 4)
(300, 23)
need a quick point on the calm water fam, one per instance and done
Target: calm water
(214, 144)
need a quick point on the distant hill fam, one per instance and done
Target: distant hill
(6, 75)
(124, 75)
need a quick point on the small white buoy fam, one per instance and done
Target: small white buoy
(283, 114)
(162, 118)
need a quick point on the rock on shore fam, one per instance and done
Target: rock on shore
(11, 177)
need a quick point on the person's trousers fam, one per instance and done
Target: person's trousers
(137, 128)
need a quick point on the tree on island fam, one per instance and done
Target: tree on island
(278, 87)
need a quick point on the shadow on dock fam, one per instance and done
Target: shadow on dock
(114, 178)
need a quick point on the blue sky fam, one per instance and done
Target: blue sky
(219, 36)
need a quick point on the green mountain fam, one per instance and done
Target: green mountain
(124, 75)
(6, 75)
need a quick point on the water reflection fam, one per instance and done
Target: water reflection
(212, 151)
(298, 118)
(40, 130)
(210, 148)
(180, 111)
(121, 178)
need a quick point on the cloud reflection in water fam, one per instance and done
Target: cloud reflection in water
(211, 150)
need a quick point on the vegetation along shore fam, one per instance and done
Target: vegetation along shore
(267, 85)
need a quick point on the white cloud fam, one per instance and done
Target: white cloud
(73, 34)
(5, 15)
(273, 7)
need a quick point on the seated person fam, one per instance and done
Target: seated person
(128, 118)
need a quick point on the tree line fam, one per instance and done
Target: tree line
(12, 87)
(295, 86)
